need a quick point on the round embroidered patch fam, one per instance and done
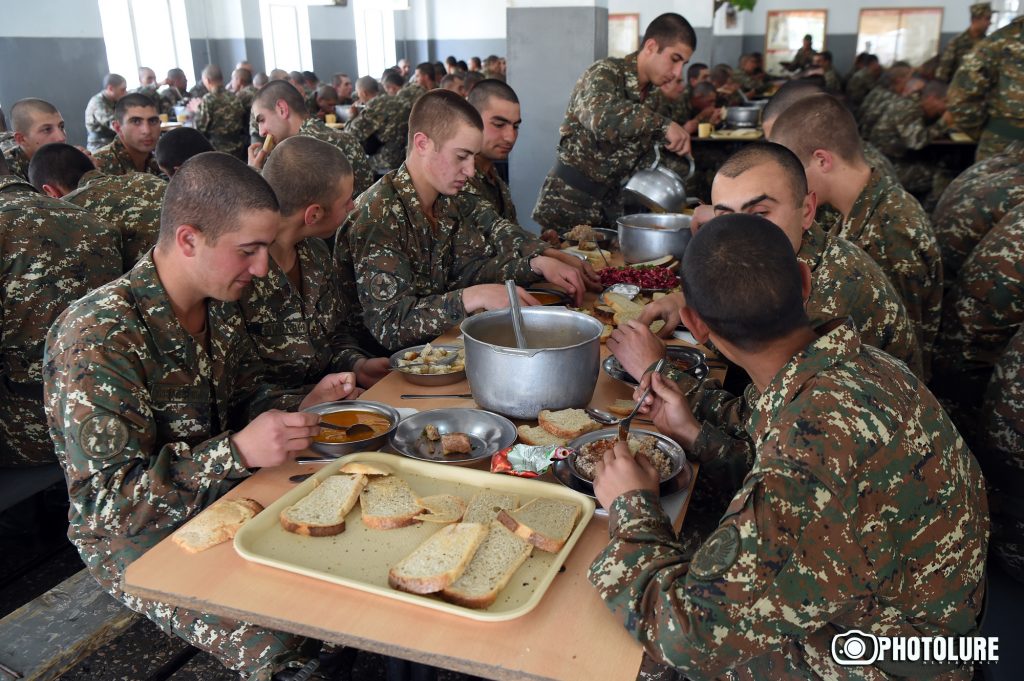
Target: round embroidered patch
(717, 554)
(383, 286)
(103, 436)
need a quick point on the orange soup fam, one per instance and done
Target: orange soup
(546, 298)
(378, 422)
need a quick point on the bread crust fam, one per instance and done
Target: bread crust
(548, 421)
(526, 437)
(222, 521)
(434, 583)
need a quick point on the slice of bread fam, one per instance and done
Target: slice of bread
(438, 561)
(657, 325)
(366, 468)
(388, 503)
(215, 524)
(567, 423)
(535, 435)
(485, 504)
(622, 304)
(492, 567)
(621, 407)
(545, 523)
(321, 513)
(606, 332)
(442, 508)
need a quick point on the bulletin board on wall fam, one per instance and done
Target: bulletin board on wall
(785, 33)
(623, 34)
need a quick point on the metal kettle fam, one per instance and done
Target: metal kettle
(658, 187)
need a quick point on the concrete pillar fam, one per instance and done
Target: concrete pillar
(550, 44)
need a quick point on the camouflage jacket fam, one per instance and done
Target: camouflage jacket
(489, 186)
(99, 114)
(974, 202)
(890, 225)
(409, 274)
(164, 104)
(871, 109)
(130, 202)
(858, 87)
(17, 161)
(853, 454)
(751, 83)
(52, 254)
(363, 174)
(833, 83)
(876, 159)
(382, 128)
(222, 118)
(989, 85)
(300, 335)
(901, 127)
(245, 97)
(954, 55)
(113, 159)
(141, 412)
(410, 92)
(678, 110)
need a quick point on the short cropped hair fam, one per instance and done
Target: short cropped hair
(757, 154)
(935, 88)
(491, 87)
(720, 74)
(449, 78)
(134, 99)
(211, 192)
(213, 73)
(260, 79)
(393, 77)
(113, 80)
(819, 122)
(280, 89)
(58, 164)
(369, 85)
(426, 69)
(694, 70)
(438, 113)
(24, 110)
(703, 89)
(327, 93)
(175, 73)
(668, 29)
(303, 171)
(179, 145)
(791, 92)
(244, 76)
(741, 276)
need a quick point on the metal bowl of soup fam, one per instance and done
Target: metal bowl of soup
(382, 418)
(550, 297)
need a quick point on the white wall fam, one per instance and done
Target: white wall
(697, 13)
(51, 19)
(332, 23)
(843, 17)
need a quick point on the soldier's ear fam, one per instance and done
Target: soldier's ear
(19, 138)
(313, 214)
(694, 323)
(186, 238)
(115, 125)
(53, 191)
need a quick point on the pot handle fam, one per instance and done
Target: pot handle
(517, 352)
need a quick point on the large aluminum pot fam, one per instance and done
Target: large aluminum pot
(647, 236)
(743, 116)
(658, 187)
(558, 370)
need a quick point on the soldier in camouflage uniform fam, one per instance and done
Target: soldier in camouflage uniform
(220, 116)
(138, 130)
(35, 122)
(131, 202)
(149, 390)
(974, 202)
(881, 97)
(296, 315)
(51, 254)
(381, 126)
(421, 82)
(862, 82)
(280, 112)
(845, 438)
(611, 125)
(99, 112)
(986, 96)
(822, 62)
(958, 47)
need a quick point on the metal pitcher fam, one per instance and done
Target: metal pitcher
(659, 188)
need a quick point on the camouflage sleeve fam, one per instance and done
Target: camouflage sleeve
(363, 126)
(944, 71)
(511, 250)
(361, 170)
(972, 83)
(203, 118)
(603, 110)
(723, 418)
(98, 117)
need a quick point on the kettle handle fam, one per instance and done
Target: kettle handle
(657, 157)
(693, 167)
(688, 157)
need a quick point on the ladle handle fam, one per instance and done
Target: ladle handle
(517, 313)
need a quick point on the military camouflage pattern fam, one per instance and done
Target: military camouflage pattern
(871, 109)
(170, 97)
(1001, 456)
(891, 227)
(974, 202)
(751, 83)
(300, 335)
(410, 92)
(164, 105)
(362, 172)
(678, 110)
(876, 159)
(954, 55)
(51, 254)
(489, 186)
(858, 87)
(17, 161)
(610, 125)
(987, 92)
(409, 274)
(853, 454)
(99, 114)
(221, 117)
(383, 122)
(899, 132)
(833, 82)
(140, 413)
(130, 202)
(114, 159)
(245, 97)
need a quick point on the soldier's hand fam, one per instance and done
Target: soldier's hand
(590, 278)
(619, 472)
(492, 297)
(257, 157)
(677, 140)
(669, 409)
(331, 387)
(701, 214)
(564, 274)
(369, 371)
(635, 347)
(273, 435)
(666, 309)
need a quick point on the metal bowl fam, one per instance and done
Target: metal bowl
(487, 432)
(550, 297)
(695, 364)
(605, 237)
(426, 379)
(368, 445)
(743, 116)
(647, 236)
(676, 480)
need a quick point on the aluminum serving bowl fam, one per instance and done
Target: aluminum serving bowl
(648, 236)
(426, 379)
(550, 297)
(371, 444)
(488, 433)
(665, 444)
(743, 116)
(695, 360)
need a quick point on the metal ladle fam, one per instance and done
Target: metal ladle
(517, 313)
(360, 430)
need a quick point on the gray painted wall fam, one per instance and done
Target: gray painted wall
(224, 52)
(334, 56)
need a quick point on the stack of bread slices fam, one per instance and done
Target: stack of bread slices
(557, 427)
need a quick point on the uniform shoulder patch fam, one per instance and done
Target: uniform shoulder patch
(383, 286)
(103, 436)
(717, 554)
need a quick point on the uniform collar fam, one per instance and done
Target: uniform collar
(812, 246)
(401, 181)
(13, 183)
(90, 177)
(631, 68)
(878, 187)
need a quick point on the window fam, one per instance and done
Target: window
(151, 33)
(375, 35)
(286, 43)
(907, 34)
(785, 35)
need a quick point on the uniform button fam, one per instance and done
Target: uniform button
(218, 468)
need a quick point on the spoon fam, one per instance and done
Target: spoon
(517, 313)
(625, 423)
(355, 430)
(608, 419)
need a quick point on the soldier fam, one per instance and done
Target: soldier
(611, 126)
(958, 47)
(882, 96)
(877, 214)
(342, 84)
(422, 80)
(51, 254)
(177, 146)
(822, 64)
(35, 122)
(392, 82)
(454, 82)
(721, 76)
(147, 82)
(862, 81)
(138, 128)
(803, 57)
(752, 81)
(99, 112)
(422, 254)
(220, 115)
(279, 111)
(243, 88)
(326, 99)
(131, 202)
(296, 315)
(846, 438)
(974, 202)
(381, 125)
(986, 96)
(150, 381)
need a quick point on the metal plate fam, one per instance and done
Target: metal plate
(427, 379)
(336, 449)
(699, 370)
(487, 432)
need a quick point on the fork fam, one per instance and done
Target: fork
(623, 434)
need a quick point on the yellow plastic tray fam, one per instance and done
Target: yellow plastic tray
(360, 557)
